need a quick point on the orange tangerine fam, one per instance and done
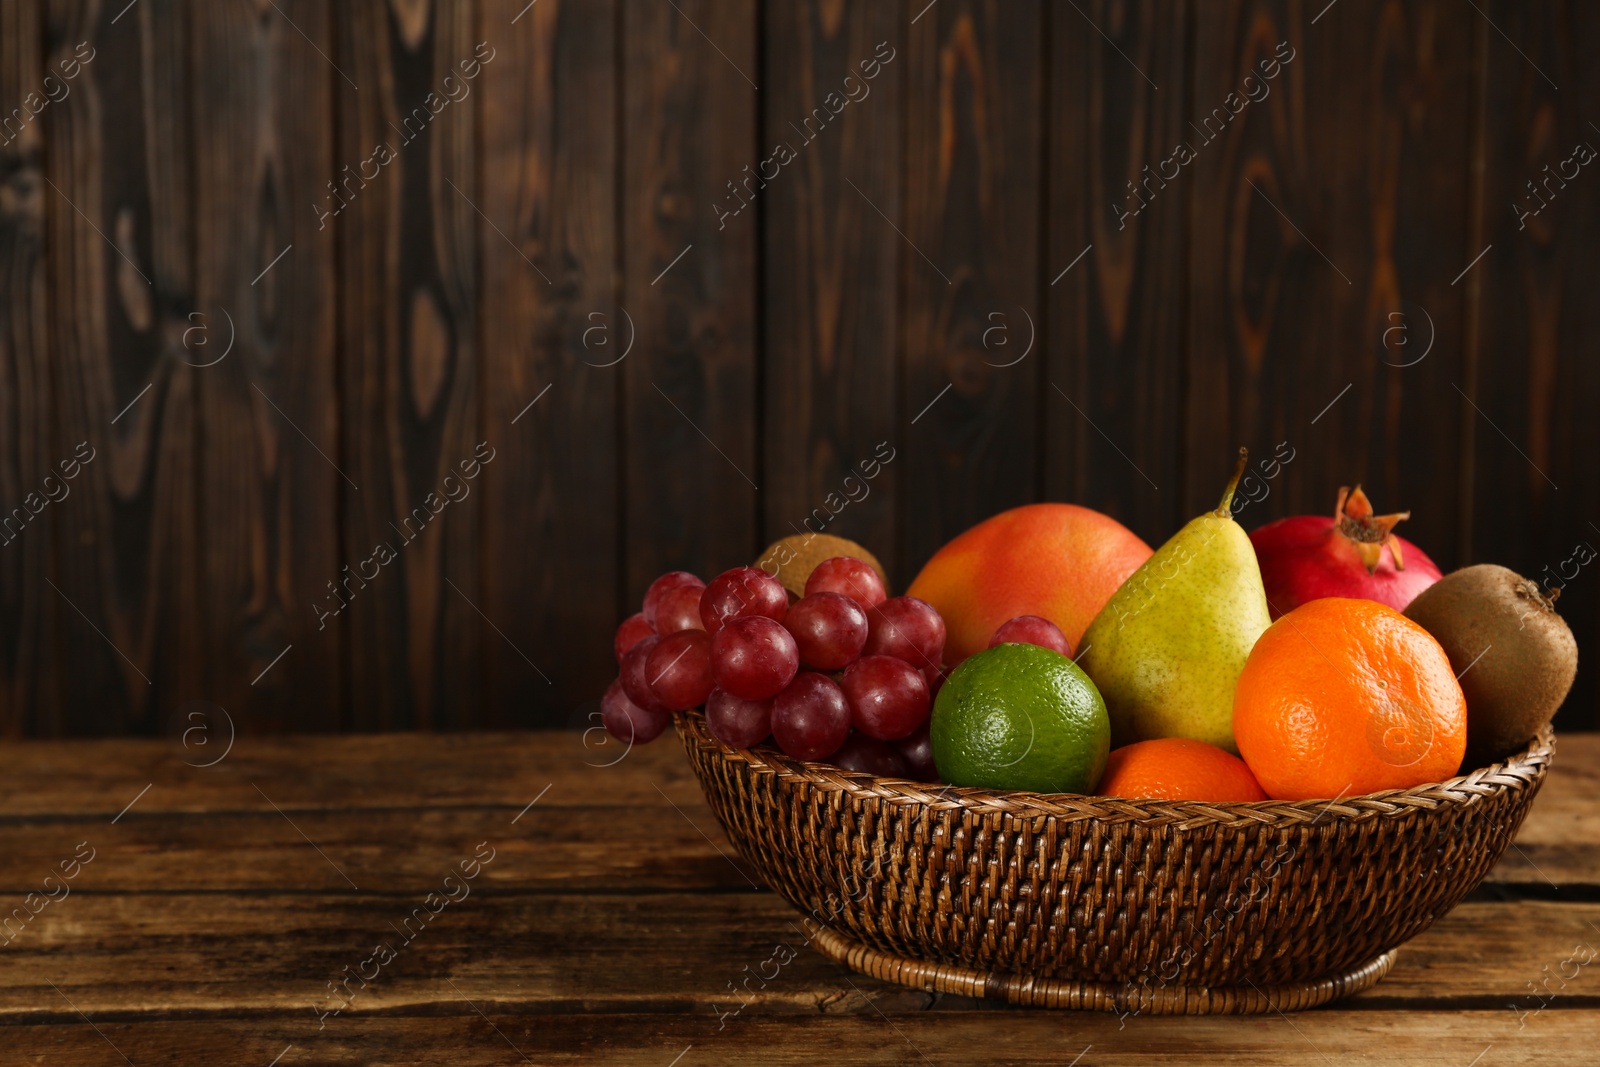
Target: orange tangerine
(1177, 768)
(1341, 697)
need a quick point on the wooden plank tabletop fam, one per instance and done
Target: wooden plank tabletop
(607, 920)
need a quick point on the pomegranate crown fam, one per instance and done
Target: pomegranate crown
(1353, 517)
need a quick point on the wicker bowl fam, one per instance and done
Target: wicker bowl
(1090, 902)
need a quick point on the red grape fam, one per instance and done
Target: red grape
(635, 679)
(679, 609)
(862, 753)
(669, 580)
(679, 669)
(1032, 630)
(850, 577)
(888, 698)
(754, 657)
(906, 628)
(830, 629)
(935, 677)
(810, 718)
(737, 722)
(627, 721)
(634, 628)
(743, 592)
(917, 751)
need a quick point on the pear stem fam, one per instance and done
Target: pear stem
(1225, 509)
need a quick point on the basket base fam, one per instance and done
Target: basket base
(1099, 996)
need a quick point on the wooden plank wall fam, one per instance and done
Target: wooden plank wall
(410, 340)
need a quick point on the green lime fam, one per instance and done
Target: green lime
(1020, 717)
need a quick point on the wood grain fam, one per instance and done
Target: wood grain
(269, 502)
(410, 405)
(970, 275)
(206, 921)
(354, 772)
(873, 290)
(1114, 336)
(1531, 404)
(592, 822)
(595, 849)
(1316, 223)
(831, 304)
(552, 955)
(690, 398)
(122, 244)
(30, 656)
(550, 320)
(1559, 1039)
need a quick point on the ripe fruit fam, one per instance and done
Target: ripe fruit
(810, 718)
(855, 579)
(635, 678)
(917, 751)
(679, 669)
(669, 580)
(792, 559)
(1032, 630)
(1168, 647)
(829, 628)
(1305, 557)
(1343, 696)
(888, 697)
(1058, 561)
(741, 593)
(753, 657)
(1177, 768)
(737, 722)
(634, 628)
(1514, 656)
(627, 721)
(862, 753)
(908, 629)
(679, 609)
(1020, 717)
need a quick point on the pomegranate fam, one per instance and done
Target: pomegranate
(1354, 554)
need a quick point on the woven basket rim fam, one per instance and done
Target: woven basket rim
(1520, 770)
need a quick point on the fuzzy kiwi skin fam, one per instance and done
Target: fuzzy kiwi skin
(1528, 655)
(792, 559)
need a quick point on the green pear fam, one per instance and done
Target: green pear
(1167, 649)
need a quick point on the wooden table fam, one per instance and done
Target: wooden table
(606, 920)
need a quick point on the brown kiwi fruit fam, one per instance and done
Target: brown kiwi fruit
(1513, 655)
(792, 559)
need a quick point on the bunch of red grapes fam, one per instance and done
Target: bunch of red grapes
(845, 674)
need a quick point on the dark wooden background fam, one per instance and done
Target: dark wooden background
(570, 209)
